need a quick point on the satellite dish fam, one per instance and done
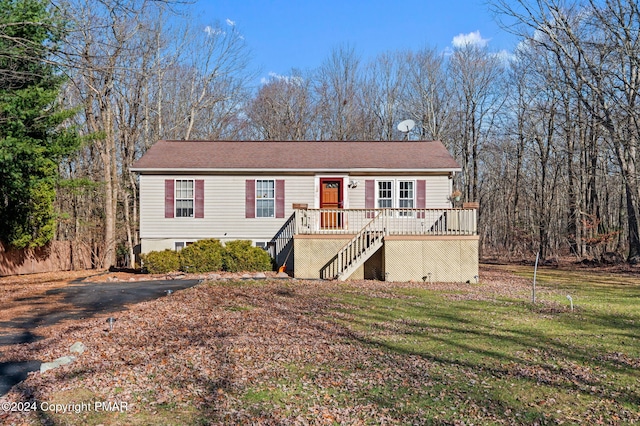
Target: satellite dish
(406, 126)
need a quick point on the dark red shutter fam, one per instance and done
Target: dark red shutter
(199, 210)
(169, 196)
(421, 196)
(370, 197)
(250, 199)
(279, 198)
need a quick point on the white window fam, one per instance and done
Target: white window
(179, 245)
(385, 194)
(406, 194)
(184, 198)
(265, 198)
(395, 194)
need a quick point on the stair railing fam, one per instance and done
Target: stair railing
(353, 253)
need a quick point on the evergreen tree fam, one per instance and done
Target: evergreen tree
(32, 138)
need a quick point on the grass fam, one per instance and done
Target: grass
(502, 360)
(377, 353)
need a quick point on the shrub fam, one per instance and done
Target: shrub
(240, 255)
(202, 256)
(161, 262)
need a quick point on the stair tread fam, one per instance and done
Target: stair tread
(374, 240)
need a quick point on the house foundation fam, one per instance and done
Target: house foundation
(401, 258)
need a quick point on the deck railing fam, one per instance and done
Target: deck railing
(391, 221)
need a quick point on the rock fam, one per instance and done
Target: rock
(132, 279)
(46, 366)
(214, 277)
(282, 275)
(246, 277)
(77, 348)
(260, 276)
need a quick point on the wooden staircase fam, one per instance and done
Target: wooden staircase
(361, 247)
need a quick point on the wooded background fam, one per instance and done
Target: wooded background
(547, 136)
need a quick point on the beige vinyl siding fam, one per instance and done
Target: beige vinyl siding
(148, 245)
(438, 192)
(224, 206)
(224, 209)
(356, 195)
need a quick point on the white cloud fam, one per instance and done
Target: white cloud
(470, 39)
(212, 31)
(286, 78)
(230, 22)
(505, 56)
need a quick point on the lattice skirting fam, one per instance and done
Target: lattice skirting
(312, 254)
(436, 260)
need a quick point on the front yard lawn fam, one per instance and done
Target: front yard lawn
(314, 352)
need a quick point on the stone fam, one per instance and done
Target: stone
(260, 276)
(64, 360)
(282, 275)
(246, 276)
(214, 277)
(77, 348)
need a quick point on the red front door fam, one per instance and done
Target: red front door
(331, 199)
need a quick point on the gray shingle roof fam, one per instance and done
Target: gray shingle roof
(296, 155)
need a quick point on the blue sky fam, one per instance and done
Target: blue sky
(286, 34)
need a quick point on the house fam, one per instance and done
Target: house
(329, 209)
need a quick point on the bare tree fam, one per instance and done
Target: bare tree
(95, 58)
(135, 83)
(211, 83)
(596, 45)
(427, 98)
(475, 84)
(336, 88)
(282, 109)
(383, 96)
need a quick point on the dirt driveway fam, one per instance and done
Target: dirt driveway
(30, 304)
